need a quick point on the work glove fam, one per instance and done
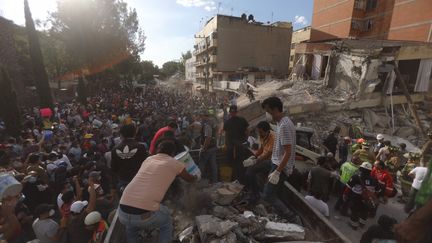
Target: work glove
(198, 176)
(274, 177)
(249, 161)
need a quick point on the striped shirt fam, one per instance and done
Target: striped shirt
(285, 135)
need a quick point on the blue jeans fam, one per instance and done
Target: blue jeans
(252, 180)
(136, 223)
(208, 158)
(270, 195)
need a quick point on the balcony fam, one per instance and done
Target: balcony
(212, 59)
(199, 63)
(213, 43)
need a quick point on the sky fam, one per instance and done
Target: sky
(170, 25)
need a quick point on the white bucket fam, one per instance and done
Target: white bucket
(191, 167)
(9, 186)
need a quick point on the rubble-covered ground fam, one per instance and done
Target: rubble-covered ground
(216, 213)
(371, 121)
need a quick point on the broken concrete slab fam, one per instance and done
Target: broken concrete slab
(284, 231)
(209, 225)
(221, 212)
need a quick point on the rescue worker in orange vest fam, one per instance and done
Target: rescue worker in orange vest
(97, 225)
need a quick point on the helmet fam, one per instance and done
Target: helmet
(379, 136)
(92, 218)
(361, 140)
(330, 155)
(366, 165)
(365, 144)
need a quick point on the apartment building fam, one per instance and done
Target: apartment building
(377, 19)
(298, 36)
(190, 69)
(238, 48)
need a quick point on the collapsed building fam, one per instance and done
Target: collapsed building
(361, 82)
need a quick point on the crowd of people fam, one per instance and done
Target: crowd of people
(77, 164)
(74, 161)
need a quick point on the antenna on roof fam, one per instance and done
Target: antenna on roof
(219, 6)
(232, 9)
(272, 17)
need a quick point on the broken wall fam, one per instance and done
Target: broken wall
(354, 73)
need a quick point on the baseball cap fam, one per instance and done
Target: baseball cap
(78, 206)
(92, 218)
(233, 108)
(366, 165)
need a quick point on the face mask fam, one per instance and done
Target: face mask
(269, 118)
(51, 212)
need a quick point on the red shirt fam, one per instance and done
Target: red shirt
(156, 137)
(384, 179)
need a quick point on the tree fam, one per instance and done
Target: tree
(184, 57)
(41, 77)
(9, 110)
(170, 68)
(82, 91)
(98, 34)
(148, 70)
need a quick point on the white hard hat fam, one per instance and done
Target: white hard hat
(380, 136)
(92, 218)
(330, 154)
(366, 165)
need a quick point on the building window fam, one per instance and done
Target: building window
(359, 4)
(368, 25)
(292, 58)
(356, 25)
(293, 45)
(371, 4)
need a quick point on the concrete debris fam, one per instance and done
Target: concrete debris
(186, 234)
(248, 214)
(260, 210)
(210, 225)
(224, 211)
(227, 192)
(284, 231)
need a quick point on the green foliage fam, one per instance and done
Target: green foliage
(96, 32)
(9, 110)
(148, 71)
(39, 72)
(170, 68)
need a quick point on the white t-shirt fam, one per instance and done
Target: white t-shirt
(59, 200)
(285, 135)
(420, 173)
(319, 205)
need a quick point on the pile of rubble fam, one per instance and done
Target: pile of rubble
(215, 214)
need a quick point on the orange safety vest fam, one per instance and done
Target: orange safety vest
(100, 231)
